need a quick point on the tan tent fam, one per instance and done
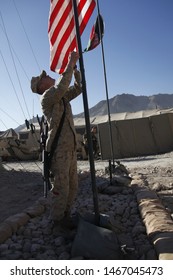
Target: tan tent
(137, 137)
(134, 134)
(10, 133)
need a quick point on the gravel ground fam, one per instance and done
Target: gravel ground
(20, 178)
(25, 177)
(21, 186)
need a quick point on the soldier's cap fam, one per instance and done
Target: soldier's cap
(36, 80)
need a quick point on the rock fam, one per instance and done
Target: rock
(27, 232)
(35, 210)
(35, 247)
(5, 232)
(59, 241)
(4, 247)
(122, 180)
(16, 247)
(27, 247)
(64, 256)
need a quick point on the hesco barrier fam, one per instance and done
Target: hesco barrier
(137, 137)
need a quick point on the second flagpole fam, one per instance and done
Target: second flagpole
(87, 118)
(111, 166)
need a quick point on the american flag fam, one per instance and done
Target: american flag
(62, 32)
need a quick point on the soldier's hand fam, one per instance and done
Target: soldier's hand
(77, 75)
(74, 56)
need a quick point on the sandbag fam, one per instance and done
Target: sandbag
(95, 242)
(110, 190)
(105, 221)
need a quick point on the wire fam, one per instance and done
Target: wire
(9, 116)
(19, 62)
(4, 124)
(12, 49)
(39, 68)
(27, 36)
(13, 85)
(16, 56)
(14, 65)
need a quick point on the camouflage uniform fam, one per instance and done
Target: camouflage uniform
(64, 161)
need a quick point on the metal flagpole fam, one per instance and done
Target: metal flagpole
(87, 119)
(107, 98)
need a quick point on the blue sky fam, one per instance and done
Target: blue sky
(138, 49)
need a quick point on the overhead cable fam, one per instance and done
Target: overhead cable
(27, 36)
(14, 66)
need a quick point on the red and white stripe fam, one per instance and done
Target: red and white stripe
(62, 32)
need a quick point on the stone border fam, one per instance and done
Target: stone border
(157, 220)
(14, 222)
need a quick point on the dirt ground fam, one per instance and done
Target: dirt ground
(21, 183)
(18, 190)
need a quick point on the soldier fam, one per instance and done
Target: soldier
(94, 142)
(64, 161)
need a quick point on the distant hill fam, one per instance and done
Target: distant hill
(130, 103)
(125, 103)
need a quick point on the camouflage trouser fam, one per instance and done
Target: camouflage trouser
(65, 183)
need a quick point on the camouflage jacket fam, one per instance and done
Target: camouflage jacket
(53, 107)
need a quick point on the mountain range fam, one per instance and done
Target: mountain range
(130, 103)
(125, 103)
